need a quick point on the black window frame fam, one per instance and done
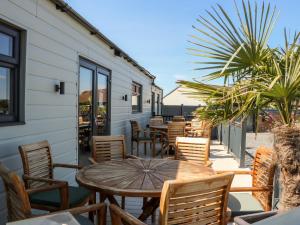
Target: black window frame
(17, 69)
(140, 99)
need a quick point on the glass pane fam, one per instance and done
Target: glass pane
(101, 120)
(5, 91)
(85, 107)
(6, 44)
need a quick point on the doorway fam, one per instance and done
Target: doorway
(93, 105)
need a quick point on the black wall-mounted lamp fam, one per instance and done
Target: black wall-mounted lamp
(124, 98)
(148, 101)
(60, 87)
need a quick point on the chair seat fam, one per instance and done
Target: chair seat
(243, 203)
(82, 220)
(52, 198)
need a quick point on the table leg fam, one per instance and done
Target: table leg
(148, 208)
(112, 200)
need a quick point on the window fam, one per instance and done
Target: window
(10, 109)
(136, 98)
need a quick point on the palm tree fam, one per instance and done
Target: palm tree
(255, 76)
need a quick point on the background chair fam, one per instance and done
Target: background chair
(178, 119)
(38, 172)
(18, 204)
(141, 136)
(156, 121)
(198, 201)
(260, 200)
(175, 129)
(193, 149)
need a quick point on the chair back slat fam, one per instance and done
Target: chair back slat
(37, 162)
(135, 129)
(106, 148)
(201, 128)
(156, 121)
(263, 175)
(200, 201)
(18, 205)
(178, 119)
(175, 129)
(192, 149)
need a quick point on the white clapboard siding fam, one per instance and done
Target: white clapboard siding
(54, 43)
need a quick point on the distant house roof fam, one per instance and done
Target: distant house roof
(64, 7)
(177, 97)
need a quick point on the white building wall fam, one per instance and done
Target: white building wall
(54, 43)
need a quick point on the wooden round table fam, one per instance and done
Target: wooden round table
(137, 177)
(163, 127)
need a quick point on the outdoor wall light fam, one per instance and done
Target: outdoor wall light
(124, 98)
(148, 101)
(60, 88)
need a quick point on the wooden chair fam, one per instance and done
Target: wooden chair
(18, 204)
(106, 148)
(193, 149)
(156, 121)
(141, 136)
(198, 201)
(200, 129)
(178, 119)
(175, 129)
(38, 172)
(262, 186)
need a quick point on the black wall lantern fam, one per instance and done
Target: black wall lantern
(60, 87)
(148, 101)
(124, 98)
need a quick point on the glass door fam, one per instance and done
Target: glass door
(94, 104)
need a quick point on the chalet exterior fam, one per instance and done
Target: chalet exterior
(63, 81)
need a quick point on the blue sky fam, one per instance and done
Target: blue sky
(155, 32)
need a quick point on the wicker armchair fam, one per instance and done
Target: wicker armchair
(18, 204)
(193, 149)
(260, 200)
(201, 201)
(38, 172)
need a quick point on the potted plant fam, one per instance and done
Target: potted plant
(255, 76)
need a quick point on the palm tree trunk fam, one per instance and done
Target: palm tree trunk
(287, 148)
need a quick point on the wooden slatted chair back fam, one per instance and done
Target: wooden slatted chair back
(17, 200)
(135, 129)
(37, 162)
(201, 128)
(175, 129)
(106, 148)
(263, 176)
(192, 149)
(178, 119)
(156, 121)
(201, 201)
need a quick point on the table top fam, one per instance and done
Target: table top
(160, 127)
(54, 219)
(137, 177)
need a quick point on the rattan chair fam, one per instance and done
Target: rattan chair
(200, 201)
(260, 200)
(141, 136)
(39, 168)
(19, 207)
(193, 149)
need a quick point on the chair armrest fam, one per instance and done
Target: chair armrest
(118, 216)
(131, 157)
(247, 189)
(236, 172)
(52, 184)
(93, 161)
(63, 165)
(100, 208)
